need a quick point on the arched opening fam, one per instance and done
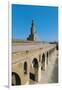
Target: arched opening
(35, 63)
(34, 75)
(15, 79)
(43, 62)
(47, 57)
(57, 46)
(25, 67)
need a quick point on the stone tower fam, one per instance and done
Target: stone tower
(32, 35)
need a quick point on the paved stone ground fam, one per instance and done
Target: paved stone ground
(28, 46)
(50, 75)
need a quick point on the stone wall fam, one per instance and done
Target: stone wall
(36, 60)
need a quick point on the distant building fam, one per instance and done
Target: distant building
(32, 36)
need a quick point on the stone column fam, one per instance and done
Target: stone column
(28, 71)
(49, 57)
(39, 72)
(45, 61)
(36, 74)
(13, 79)
(39, 68)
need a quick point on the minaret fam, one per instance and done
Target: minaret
(32, 35)
(33, 31)
(32, 27)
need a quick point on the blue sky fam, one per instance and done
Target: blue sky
(45, 18)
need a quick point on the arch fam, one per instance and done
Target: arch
(25, 67)
(15, 79)
(47, 57)
(57, 46)
(35, 63)
(43, 58)
(43, 62)
(34, 76)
